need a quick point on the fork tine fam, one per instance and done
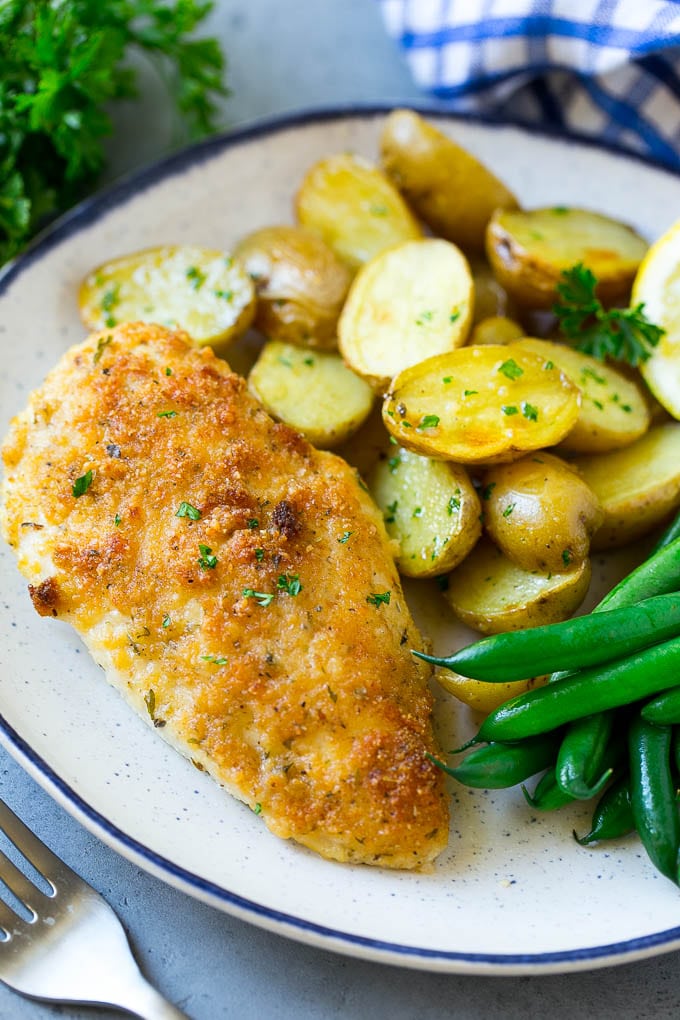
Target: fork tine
(8, 920)
(33, 849)
(22, 887)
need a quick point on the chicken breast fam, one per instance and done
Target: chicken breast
(237, 587)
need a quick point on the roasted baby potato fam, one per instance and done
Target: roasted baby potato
(205, 292)
(490, 298)
(312, 391)
(483, 697)
(496, 330)
(613, 411)
(481, 405)
(431, 509)
(354, 208)
(529, 250)
(540, 512)
(300, 284)
(492, 594)
(637, 487)
(447, 187)
(405, 305)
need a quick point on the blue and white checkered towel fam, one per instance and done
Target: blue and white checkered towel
(606, 68)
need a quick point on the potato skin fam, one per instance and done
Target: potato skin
(540, 512)
(300, 284)
(447, 187)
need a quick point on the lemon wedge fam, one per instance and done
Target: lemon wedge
(657, 285)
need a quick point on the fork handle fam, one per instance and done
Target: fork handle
(142, 1000)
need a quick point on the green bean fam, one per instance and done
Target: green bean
(613, 814)
(585, 693)
(497, 766)
(658, 575)
(587, 756)
(663, 710)
(547, 795)
(670, 533)
(652, 794)
(572, 644)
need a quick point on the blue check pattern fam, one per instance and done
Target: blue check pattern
(605, 68)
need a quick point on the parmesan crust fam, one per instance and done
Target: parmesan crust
(245, 627)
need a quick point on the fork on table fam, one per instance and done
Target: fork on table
(69, 947)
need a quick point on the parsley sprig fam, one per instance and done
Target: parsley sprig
(62, 65)
(624, 334)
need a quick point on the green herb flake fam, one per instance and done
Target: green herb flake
(627, 408)
(259, 555)
(598, 404)
(487, 490)
(453, 504)
(509, 409)
(285, 361)
(379, 598)
(509, 508)
(510, 369)
(226, 295)
(207, 560)
(150, 702)
(168, 370)
(263, 598)
(116, 520)
(589, 373)
(418, 512)
(82, 484)
(529, 411)
(253, 524)
(548, 366)
(391, 511)
(217, 660)
(447, 379)
(187, 510)
(469, 393)
(289, 583)
(166, 621)
(428, 421)
(455, 315)
(102, 343)
(195, 277)
(309, 360)
(424, 317)
(167, 414)
(566, 557)
(257, 810)
(345, 537)
(393, 464)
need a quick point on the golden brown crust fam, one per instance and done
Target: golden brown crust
(308, 705)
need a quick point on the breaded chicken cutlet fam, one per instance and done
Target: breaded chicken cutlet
(237, 587)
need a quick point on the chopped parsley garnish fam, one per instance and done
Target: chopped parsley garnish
(82, 484)
(187, 510)
(509, 409)
(469, 393)
(346, 535)
(453, 504)
(379, 598)
(195, 277)
(508, 510)
(590, 373)
(424, 317)
(393, 463)
(263, 598)
(548, 366)
(259, 555)
(309, 360)
(447, 379)
(102, 343)
(207, 560)
(529, 411)
(108, 303)
(167, 414)
(487, 490)
(150, 702)
(624, 334)
(417, 512)
(566, 557)
(257, 810)
(226, 294)
(289, 583)
(166, 621)
(455, 315)
(253, 523)
(217, 660)
(428, 421)
(391, 511)
(116, 520)
(511, 369)
(168, 370)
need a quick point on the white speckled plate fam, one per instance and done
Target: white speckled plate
(514, 893)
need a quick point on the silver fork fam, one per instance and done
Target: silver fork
(73, 948)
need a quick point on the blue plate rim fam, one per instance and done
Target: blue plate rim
(88, 211)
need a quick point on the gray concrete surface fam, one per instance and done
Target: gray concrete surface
(286, 54)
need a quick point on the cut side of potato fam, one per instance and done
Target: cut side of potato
(430, 508)
(637, 487)
(540, 512)
(300, 284)
(530, 249)
(657, 287)
(445, 184)
(481, 405)
(492, 594)
(404, 306)
(614, 412)
(354, 208)
(205, 292)
(484, 697)
(312, 391)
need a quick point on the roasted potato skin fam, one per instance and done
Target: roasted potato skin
(447, 187)
(491, 594)
(483, 697)
(497, 329)
(638, 487)
(540, 512)
(529, 249)
(354, 207)
(300, 284)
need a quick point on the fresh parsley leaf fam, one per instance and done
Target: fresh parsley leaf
(187, 510)
(624, 334)
(379, 598)
(82, 484)
(289, 583)
(263, 598)
(511, 369)
(207, 560)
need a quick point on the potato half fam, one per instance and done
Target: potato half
(492, 594)
(405, 305)
(300, 284)
(530, 249)
(481, 405)
(540, 512)
(448, 188)
(430, 507)
(497, 329)
(638, 487)
(312, 391)
(613, 411)
(355, 208)
(205, 292)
